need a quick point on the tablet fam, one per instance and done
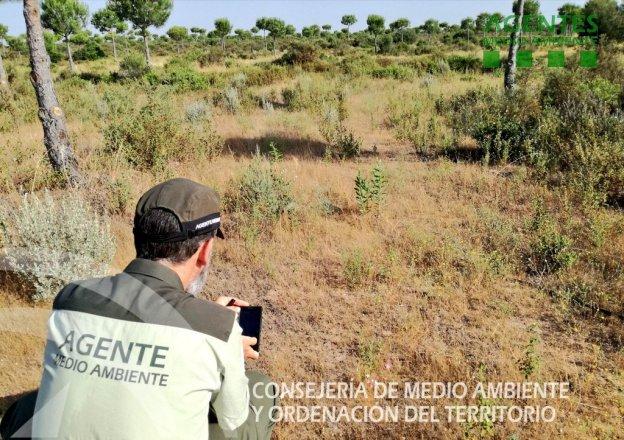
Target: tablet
(250, 320)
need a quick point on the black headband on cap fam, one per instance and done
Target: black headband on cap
(201, 226)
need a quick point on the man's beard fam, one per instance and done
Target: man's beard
(196, 286)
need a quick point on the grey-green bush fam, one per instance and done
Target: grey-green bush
(261, 194)
(53, 241)
(231, 100)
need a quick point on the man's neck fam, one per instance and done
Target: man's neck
(184, 271)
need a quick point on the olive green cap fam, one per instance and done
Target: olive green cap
(196, 207)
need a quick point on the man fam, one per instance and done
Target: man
(137, 355)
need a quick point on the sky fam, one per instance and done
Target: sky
(243, 13)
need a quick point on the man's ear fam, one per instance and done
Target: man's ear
(204, 252)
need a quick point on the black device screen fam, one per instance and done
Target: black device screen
(250, 320)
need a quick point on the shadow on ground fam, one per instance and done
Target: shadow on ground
(288, 146)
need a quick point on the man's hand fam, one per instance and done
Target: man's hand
(249, 352)
(235, 305)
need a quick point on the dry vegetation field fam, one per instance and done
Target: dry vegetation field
(455, 271)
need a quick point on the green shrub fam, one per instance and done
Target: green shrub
(582, 134)
(464, 63)
(300, 53)
(358, 64)
(571, 131)
(154, 134)
(394, 72)
(275, 155)
(8, 110)
(434, 64)
(92, 50)
(308, 94)
(264, 75)
(356, 269)
(147, 139)
(51, 45)
(79, 97)
(211, 56)
(341, 143)
(19, 45)
(370, 193)
(550, 251)
(116, 102)
(531, 361)
(415, 120)
(119, 196)
(259, 195)
(53, 241)
(133, 66)
(185, 79)
(344, 144)
(502, 125)
(562, 88)
(180, 76)
(368, 352)
(424, 48)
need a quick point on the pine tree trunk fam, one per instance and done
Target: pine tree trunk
(55, 135)
(146, 49)
(70, 56)
(514, 44)
(114, 46)
(4, 81)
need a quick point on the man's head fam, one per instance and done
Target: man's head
(175, 223)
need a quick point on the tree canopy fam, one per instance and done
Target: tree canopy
(223, 27)
(348, 20)
(376, 24)
(143, 13)
(311, 31)
(4, 31)
(106, 20)
(431, 26)
(177, 33)
(609, 17)
(400, 24)
(64, 17)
